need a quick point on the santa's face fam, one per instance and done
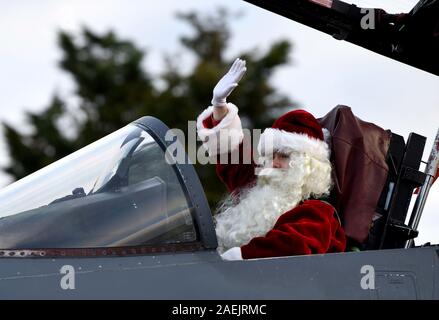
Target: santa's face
(281, 160)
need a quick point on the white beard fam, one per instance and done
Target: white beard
(276, 191)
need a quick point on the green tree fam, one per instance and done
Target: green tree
(113, 89)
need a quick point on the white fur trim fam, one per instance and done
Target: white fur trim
(281, 140)
(232, 254)
(228, 132)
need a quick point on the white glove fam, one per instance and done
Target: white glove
(232, 254)
(227, 83)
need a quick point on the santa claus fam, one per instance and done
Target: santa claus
(275, 209)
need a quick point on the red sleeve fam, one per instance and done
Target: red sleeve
(237, 174)
(210, 122)
(308, 228)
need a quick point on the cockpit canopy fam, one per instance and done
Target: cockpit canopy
(118, 191)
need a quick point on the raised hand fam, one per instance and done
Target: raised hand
(228, 82)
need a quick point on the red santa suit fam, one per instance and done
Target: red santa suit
(309, 227)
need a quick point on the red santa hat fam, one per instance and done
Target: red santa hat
(296, 130)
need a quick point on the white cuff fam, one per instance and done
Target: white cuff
(232, 254)
(224, 137)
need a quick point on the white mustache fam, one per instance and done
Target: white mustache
(271, 172)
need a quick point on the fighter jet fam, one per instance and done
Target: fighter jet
(121, 218)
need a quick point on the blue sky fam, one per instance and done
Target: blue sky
(323, 73)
